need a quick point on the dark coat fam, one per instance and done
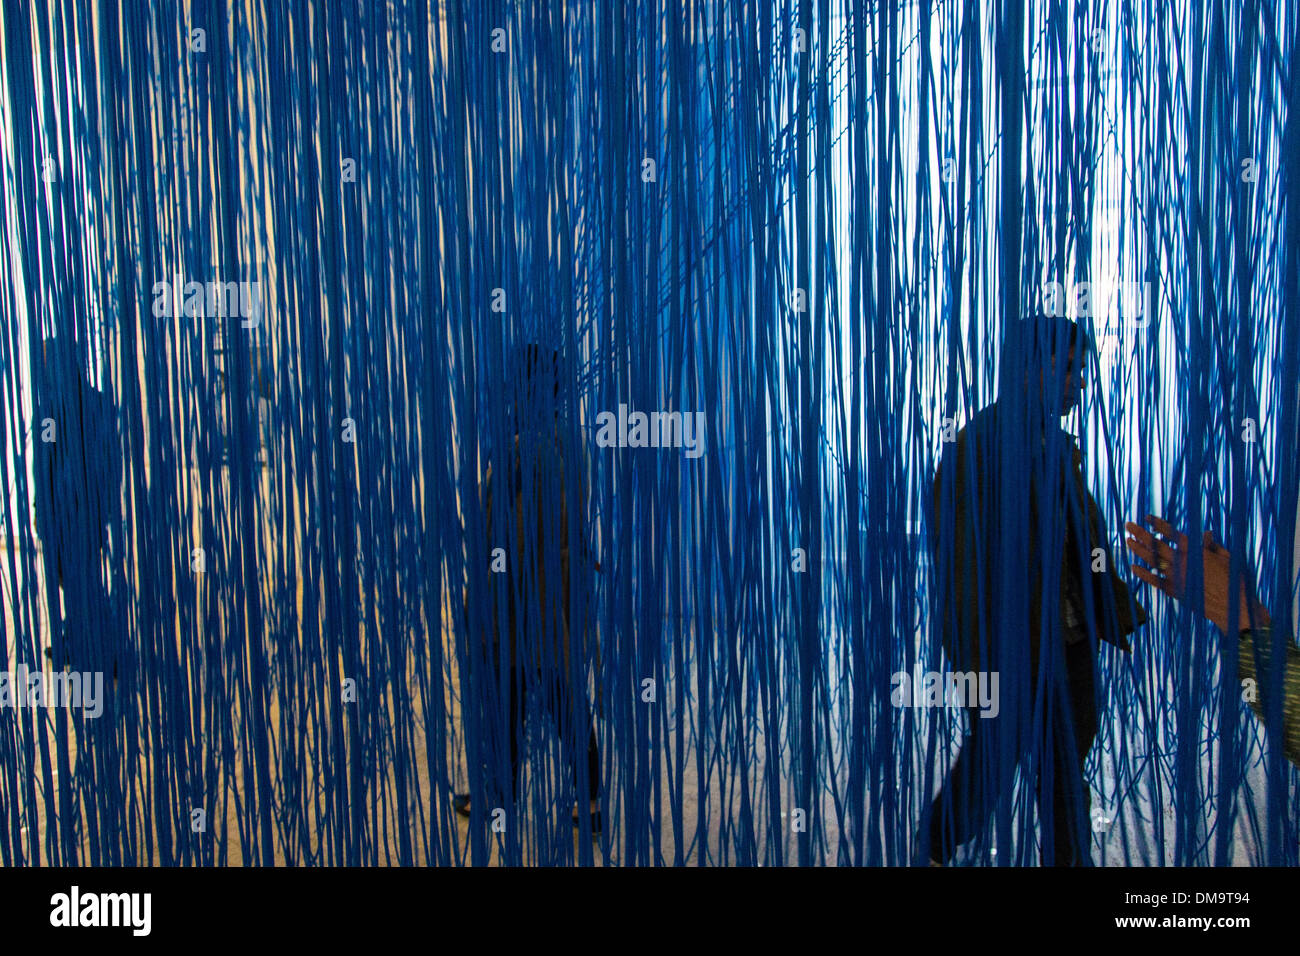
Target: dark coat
(78, 476)
(536, 539)
(988, 530)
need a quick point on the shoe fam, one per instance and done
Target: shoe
(59, 661)
(460, 803)
(920, 858)
(595, 821)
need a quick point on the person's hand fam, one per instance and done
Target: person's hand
(1167, 555)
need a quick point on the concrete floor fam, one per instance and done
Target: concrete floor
(708, 829)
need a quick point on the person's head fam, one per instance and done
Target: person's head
(1044, 359)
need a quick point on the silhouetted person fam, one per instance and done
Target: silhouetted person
(1026, 588)
(533, 651)
(78, 483)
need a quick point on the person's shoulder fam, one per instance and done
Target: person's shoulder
(982, 428)
(1064, 443)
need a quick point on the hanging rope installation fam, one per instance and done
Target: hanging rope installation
(650, 433)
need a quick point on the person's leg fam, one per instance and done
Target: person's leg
(96, 636)
(959, 809)
(497, 792)
(77, 619)
(1073, 731)
(581, 711)
(593, 761)
(573, 724)
(106, 596)
(517, 716)
(57, 649)
(86, 614)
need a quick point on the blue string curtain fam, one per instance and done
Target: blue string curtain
(543, 401)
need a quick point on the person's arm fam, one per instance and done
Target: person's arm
(1107, 586)
(1167, 559)
(951, 539)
